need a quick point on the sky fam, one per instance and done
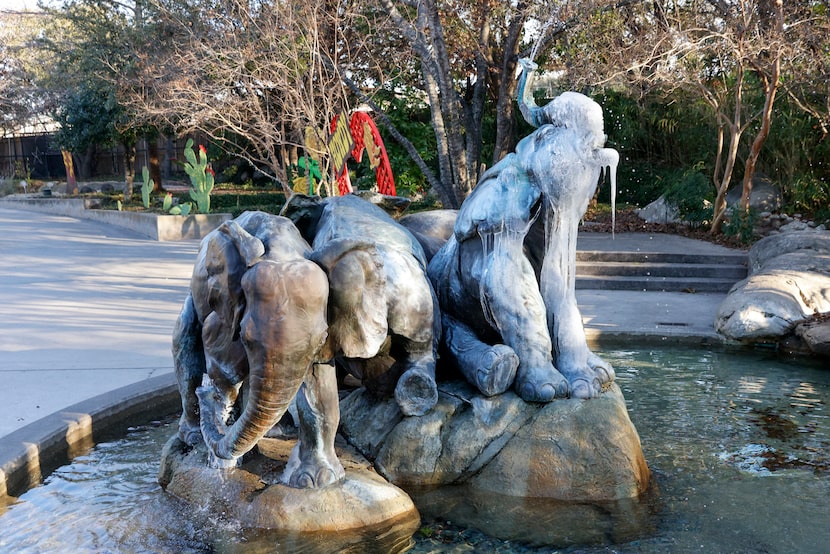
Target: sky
(18, 5)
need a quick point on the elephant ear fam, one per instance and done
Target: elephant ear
(250, 248)
(357, 296)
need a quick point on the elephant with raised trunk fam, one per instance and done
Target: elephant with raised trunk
(256, 312)
(384, 322)
(505, 279)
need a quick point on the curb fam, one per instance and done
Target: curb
(160, 227)
(36, 450)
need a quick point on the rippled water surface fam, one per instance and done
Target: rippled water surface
(737, 444)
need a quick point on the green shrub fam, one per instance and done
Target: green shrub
(810, 195)
(741, 224)
(692, 194)
(7, 187)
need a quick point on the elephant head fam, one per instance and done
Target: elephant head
(282, 332)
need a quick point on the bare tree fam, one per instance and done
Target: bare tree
(254, 77)
(728, 53)
(21, 65)
(467, 52)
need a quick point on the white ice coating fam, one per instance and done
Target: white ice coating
(561, 163)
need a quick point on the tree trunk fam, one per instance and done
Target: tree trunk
(771, 83)
(129, 169)
(505, 122)
(71, 182)
(731, 156)
(155, 164)
(446, 191)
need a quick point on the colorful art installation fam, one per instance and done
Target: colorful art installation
(361, 135)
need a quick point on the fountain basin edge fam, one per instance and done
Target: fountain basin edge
(31, 453)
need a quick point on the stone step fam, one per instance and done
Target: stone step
(648, 269)
(667, 284)
(659, 271)
(660, 257)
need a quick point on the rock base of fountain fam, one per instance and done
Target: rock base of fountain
(252, 497)
(573, 450)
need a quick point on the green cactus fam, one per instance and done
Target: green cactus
(201, 176)
(146, 187)
(181, 209)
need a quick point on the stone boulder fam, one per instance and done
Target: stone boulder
(814, 335)
(659, 211)
(766, 196)
(575, 450)
(334, 518)
(788, 283)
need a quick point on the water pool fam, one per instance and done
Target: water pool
(737, 442)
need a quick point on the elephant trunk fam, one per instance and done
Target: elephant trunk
(282, 331)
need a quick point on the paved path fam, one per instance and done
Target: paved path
(86, 308)
(659, 317)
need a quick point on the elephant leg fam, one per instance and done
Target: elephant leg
(586, 372)
(415, 326)
(416, 391)
(513, 305)
(313, 462)
(189, 363)
(227, 362)
(491, 368)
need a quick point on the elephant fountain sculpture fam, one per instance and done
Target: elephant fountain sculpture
(277, 301)
(505, 277)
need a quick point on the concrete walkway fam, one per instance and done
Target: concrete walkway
(654, 317)
(87, 308)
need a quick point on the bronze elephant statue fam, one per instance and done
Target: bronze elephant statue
(384, 322)
(256, 313)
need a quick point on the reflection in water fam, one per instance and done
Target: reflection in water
(738, 446)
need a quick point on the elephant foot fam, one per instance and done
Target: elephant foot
(496, 370)
(190, 433)
(584, 388)
(416, 392)
(541, 384)
(316, 471)
(586, 380)
(602, 369)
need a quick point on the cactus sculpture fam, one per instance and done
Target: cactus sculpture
(147, 187)
(179, 209)
(201, 176)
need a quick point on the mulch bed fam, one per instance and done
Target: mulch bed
(629, 222)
